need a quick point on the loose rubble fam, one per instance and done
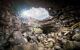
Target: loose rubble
(57, 33)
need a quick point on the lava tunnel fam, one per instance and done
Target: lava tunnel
(39, 25)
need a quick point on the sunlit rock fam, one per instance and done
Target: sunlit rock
(37, 30)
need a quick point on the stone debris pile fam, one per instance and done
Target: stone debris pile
(56, 33)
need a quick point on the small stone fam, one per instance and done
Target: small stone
(59, 34)
(52, 34)
(50, 39)
(64, 41)
(57, 47)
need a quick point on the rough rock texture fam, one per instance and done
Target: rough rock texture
(60, 32)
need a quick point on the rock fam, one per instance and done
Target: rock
(24, 34)
(49, 42)
(25, 40)
(52, 40)
(59, 34)
(33, 38)
(57, 47)
(28, 46)
(64, 41)
(40, 37)
(69, 45)
(40, 46)
(37, 30)
(18, 38)
(52, 34)
(76, 44)
(77, 30)
(76, 37)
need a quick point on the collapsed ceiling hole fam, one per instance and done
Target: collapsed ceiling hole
(36, 13)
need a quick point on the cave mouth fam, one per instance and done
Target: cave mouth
(36, 13)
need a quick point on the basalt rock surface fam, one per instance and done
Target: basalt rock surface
(59, 32)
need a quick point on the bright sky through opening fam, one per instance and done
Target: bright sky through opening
(37, 13)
